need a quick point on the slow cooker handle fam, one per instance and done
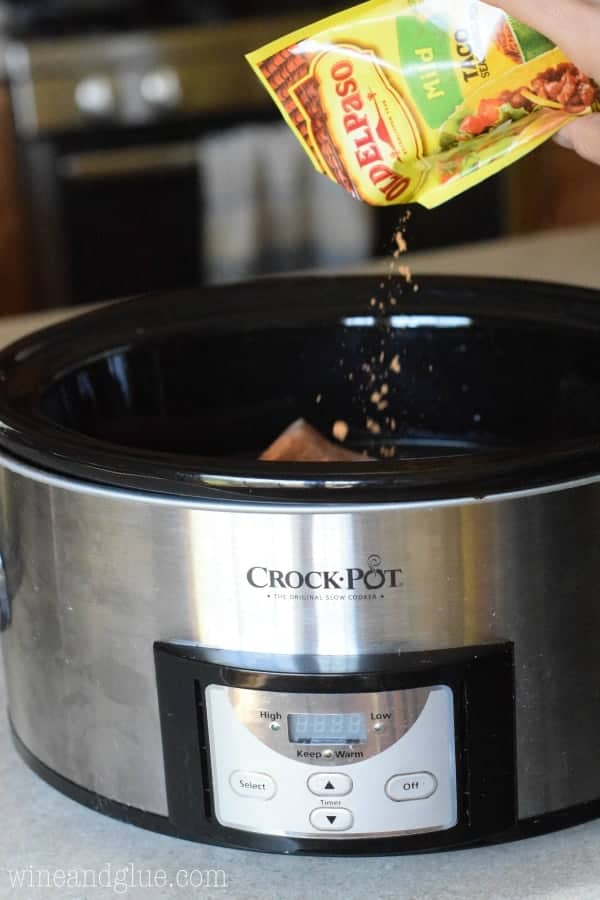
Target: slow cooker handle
(5, 606)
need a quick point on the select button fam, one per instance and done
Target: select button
(253, 785)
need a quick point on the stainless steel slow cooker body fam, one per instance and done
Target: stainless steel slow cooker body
(121, 540)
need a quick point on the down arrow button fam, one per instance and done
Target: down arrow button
(323, 820)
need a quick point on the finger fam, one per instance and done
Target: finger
(583, 136)
(573, 24)
(563, 139)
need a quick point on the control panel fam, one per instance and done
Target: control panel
(335, 765)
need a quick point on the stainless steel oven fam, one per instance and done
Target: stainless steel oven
(111, 131)
(87, 252)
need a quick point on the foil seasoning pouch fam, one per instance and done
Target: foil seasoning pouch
(417, 100)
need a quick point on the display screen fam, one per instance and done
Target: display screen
(348, 728)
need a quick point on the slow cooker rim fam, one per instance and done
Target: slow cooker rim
(55, 449)
(279, 505)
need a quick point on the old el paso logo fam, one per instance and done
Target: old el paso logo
(366, 140)
(375, 577)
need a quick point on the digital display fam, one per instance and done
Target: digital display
(350, 728)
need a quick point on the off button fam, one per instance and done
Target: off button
(415, 786)
(253, 785)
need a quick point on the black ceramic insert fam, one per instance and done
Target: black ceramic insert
(498, 388)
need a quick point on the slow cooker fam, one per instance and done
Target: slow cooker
(388, 655)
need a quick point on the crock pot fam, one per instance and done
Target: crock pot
(355, 657)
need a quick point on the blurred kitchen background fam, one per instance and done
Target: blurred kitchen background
(138, 151)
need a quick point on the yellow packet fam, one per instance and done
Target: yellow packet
(417, 100)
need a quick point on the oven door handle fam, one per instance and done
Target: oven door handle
(128, 162)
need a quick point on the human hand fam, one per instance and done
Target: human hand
(575, 27)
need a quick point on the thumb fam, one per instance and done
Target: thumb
(583, 136)
(573, 25)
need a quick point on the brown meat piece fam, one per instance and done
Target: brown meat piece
(567, 85)
(303, 443)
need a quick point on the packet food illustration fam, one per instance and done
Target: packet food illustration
(417, 100)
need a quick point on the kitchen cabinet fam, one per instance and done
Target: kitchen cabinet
(552, 188)
(15, 283)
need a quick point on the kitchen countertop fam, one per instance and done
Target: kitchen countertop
(571, 256)
(41, 831)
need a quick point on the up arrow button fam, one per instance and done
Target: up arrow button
(330, 784)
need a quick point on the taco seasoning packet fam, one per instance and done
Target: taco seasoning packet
(417, 100)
